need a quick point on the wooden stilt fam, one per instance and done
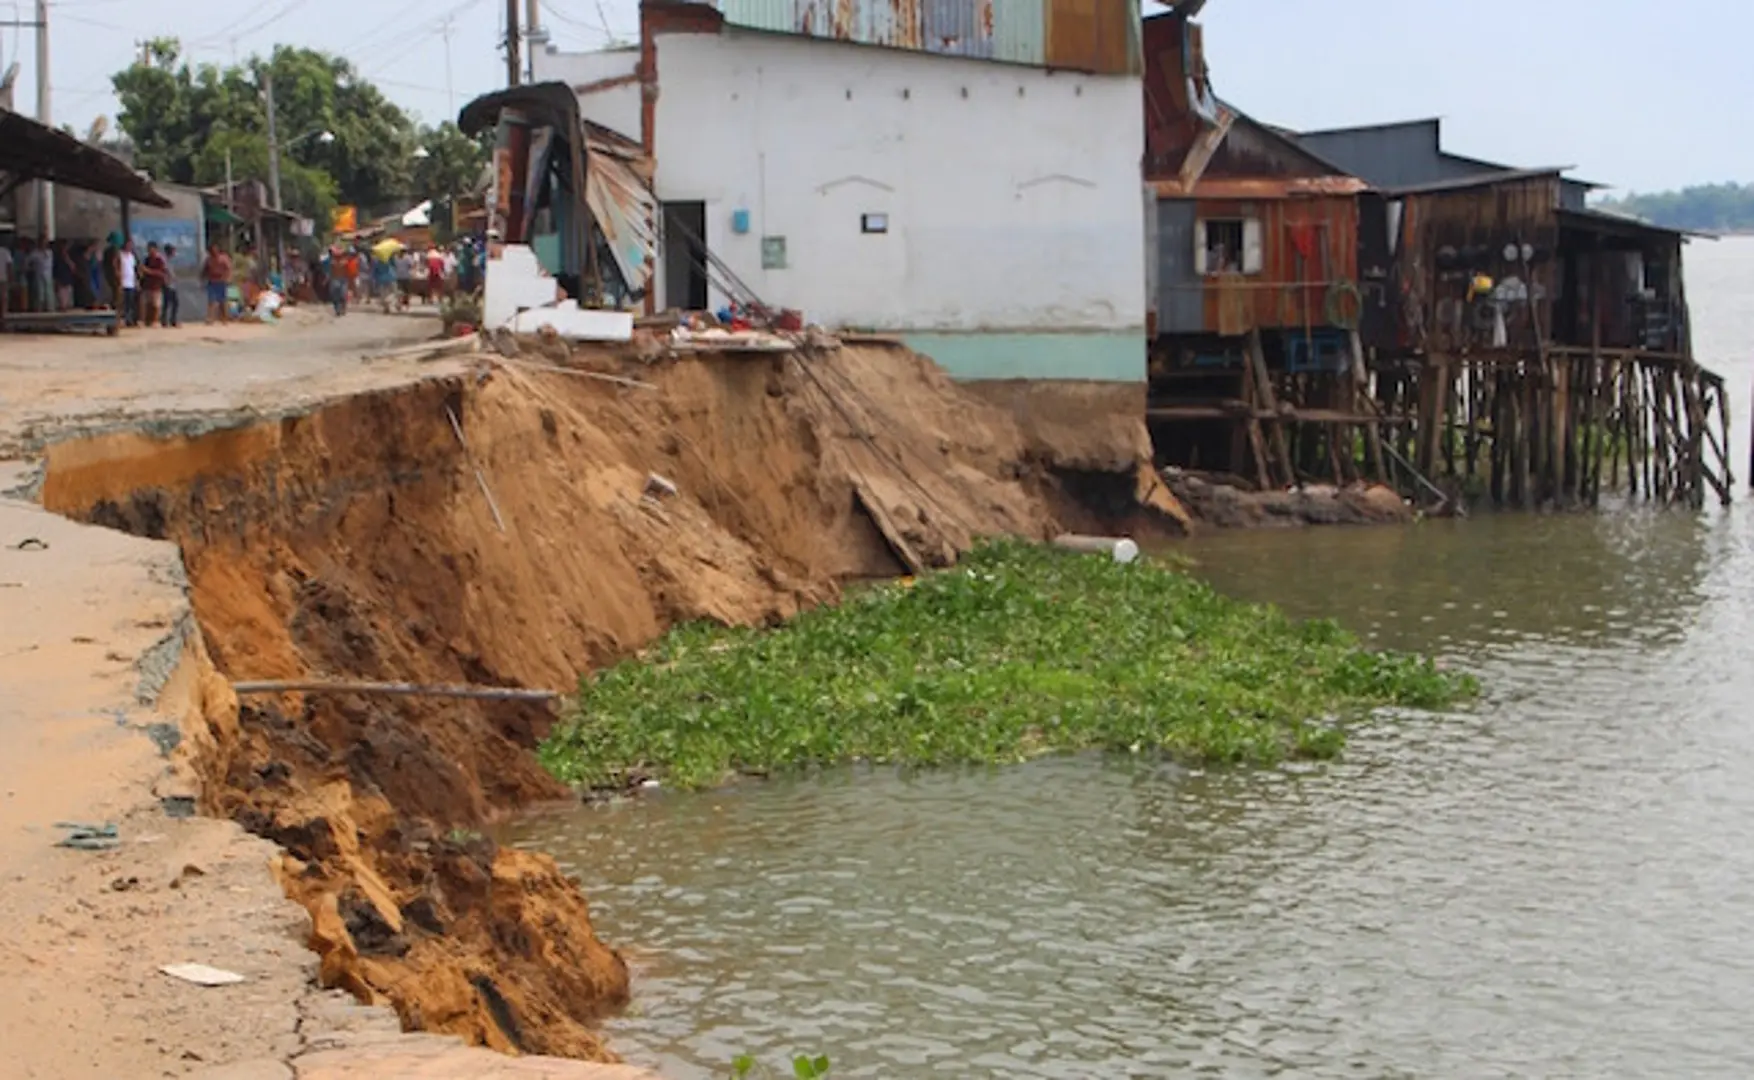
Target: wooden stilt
(1264, 384)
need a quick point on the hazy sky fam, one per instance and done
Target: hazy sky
(1635, 94)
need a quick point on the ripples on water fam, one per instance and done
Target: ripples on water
(1556, 882)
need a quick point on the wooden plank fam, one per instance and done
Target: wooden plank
(334, 686)
(1264, 384)
(1257, 445)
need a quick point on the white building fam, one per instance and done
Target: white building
(969, 180)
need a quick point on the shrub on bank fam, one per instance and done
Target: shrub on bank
(1019, 650)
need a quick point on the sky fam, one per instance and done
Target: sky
(1631, 93)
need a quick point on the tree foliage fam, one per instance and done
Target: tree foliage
(1705, 208)
(182, 118)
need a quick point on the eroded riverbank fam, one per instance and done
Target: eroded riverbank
(360, 537)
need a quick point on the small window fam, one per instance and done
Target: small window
(1229, 246)
(773, 253)
(873, 223)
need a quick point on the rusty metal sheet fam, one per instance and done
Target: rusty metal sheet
(958, 27)
(1101, 36)
(620, 198)
(1263, 187)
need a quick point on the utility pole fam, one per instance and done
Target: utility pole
(273, 140)
(231, 207)
(511, 41)
(534, 35)
(450, 92)
(274, 172)
(45, 190)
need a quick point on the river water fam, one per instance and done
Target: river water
(1556, 881)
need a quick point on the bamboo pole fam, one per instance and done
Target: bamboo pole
(403, 689)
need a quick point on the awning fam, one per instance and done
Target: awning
(33, 151)
(219, 215)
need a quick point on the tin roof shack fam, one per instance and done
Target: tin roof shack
(571, 218)
(1529, 344)
(1254, 252)
(961, 174)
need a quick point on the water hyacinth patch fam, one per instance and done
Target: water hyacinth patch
(1018, 651)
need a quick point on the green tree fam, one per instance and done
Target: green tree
(1706, 207)
(452, 163)
(181, 118)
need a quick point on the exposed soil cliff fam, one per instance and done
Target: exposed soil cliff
(356, 541)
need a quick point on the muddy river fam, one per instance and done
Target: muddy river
(1558, 881)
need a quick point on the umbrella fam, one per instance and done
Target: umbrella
(383, 249)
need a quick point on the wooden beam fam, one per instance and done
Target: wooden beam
(403, 689)
(1264, 384)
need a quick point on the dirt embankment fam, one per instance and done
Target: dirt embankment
(358, 542)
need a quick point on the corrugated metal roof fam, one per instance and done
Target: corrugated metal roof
(1020, 31)
(1480, 180)
(1089, 35)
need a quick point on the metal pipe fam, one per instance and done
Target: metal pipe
(45, 190)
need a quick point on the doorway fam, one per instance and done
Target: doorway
(685, 284)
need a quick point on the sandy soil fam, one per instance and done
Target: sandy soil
(100, 668)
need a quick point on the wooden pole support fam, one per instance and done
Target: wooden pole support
(318, 686)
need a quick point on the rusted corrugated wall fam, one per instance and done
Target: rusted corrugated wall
(1452, 239)
(1100, 36)
(1308, 251)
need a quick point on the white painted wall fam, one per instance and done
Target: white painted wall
(616, 108)
(1013, 193)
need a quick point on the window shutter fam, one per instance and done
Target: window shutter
(1253, 260)
(1200, 247)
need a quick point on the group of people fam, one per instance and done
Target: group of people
(60, 275)
(141, 286)
(356, 274)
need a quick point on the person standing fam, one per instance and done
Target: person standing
(85, 276)
(112, 268)
(216, 273)
(383, 281)
(27, 253)
(435, 275)
(64, 272)
(173, 304)
(130, 284)
(404, 277)
(151, 299)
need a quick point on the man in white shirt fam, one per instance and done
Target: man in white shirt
(130, 285)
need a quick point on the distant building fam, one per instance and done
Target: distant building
(963, 173)
(1410, 153)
